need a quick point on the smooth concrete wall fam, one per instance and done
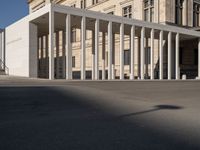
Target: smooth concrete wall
(19, 50)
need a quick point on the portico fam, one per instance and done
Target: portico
(103, 28)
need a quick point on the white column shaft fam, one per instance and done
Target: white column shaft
(83, 36)
(122, 51)
(177, 57)
(152, 54)
(169, 56)
(93, 55)
(51, 45)
(142, 51)
(161, 56)
(110, 44)
(132, 40)
(103, 55)
(199, 58)
(97, 50)
(68, 48)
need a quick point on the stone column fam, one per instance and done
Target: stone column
(51, 45)
(97, 50)
(177, 57)
(169, 56)
(113, 57)
(103, 55)
(132, 41)
(68, 47)
(83, 54)
(122, 51)
(142, 54)
(161, 56)
(110, 44)
(93, 55)
(152, 54)
(199, 58)
(185, 11)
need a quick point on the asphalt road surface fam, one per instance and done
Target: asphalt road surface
(61, 115)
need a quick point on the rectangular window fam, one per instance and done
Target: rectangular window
(73, 61)
(149, 10)
(148, 55)
(127, 57)
(73, 35)
(179, 12)
(111, 13)
(83, 4)
(196, 10)
(94, 2)
(127, 12)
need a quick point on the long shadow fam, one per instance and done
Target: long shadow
(156, 108)
(49, 118)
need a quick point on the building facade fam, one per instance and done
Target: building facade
(109, 39)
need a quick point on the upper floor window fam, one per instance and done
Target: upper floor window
(83, 4)
(196, 10)
(111, 13)
(74, 5)
(95, 2)
(179, 12)
(149, 10)
(127, 11)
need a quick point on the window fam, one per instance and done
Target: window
(94, 2)
(83, 4)
(196, 10)
(127, 57)
(73, 62)
(74, 5)
(73, 35)
(179, 12)
(148, 55)
(127, 12)
(181, 52)
(149, 10)
(111, 13)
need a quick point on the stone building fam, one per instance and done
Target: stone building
(109, 39)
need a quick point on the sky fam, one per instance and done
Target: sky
(11, 11)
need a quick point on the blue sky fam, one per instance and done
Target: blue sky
(11, 11)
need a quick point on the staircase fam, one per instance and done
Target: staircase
(3, 68)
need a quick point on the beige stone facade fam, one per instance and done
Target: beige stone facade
(177, 13)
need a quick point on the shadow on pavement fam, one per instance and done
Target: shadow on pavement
(47, 118)
(156, 108)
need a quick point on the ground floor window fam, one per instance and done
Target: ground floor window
(73, 62)
(127, 57)
(195, 57)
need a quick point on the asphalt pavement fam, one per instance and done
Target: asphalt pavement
(75, 115)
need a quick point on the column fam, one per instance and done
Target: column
(122, 51)
(161, 56)
(103, 55)
(169, 56)
(110, 44)
(152, 54)
(97, 49)
(57, 54)
(113, 57)
(83, 34)
(142, 54)
(132, 40)
(51, 45)
(68, 48)
(199, 58)
(93, 55)
(3, 48)
(177, 57)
